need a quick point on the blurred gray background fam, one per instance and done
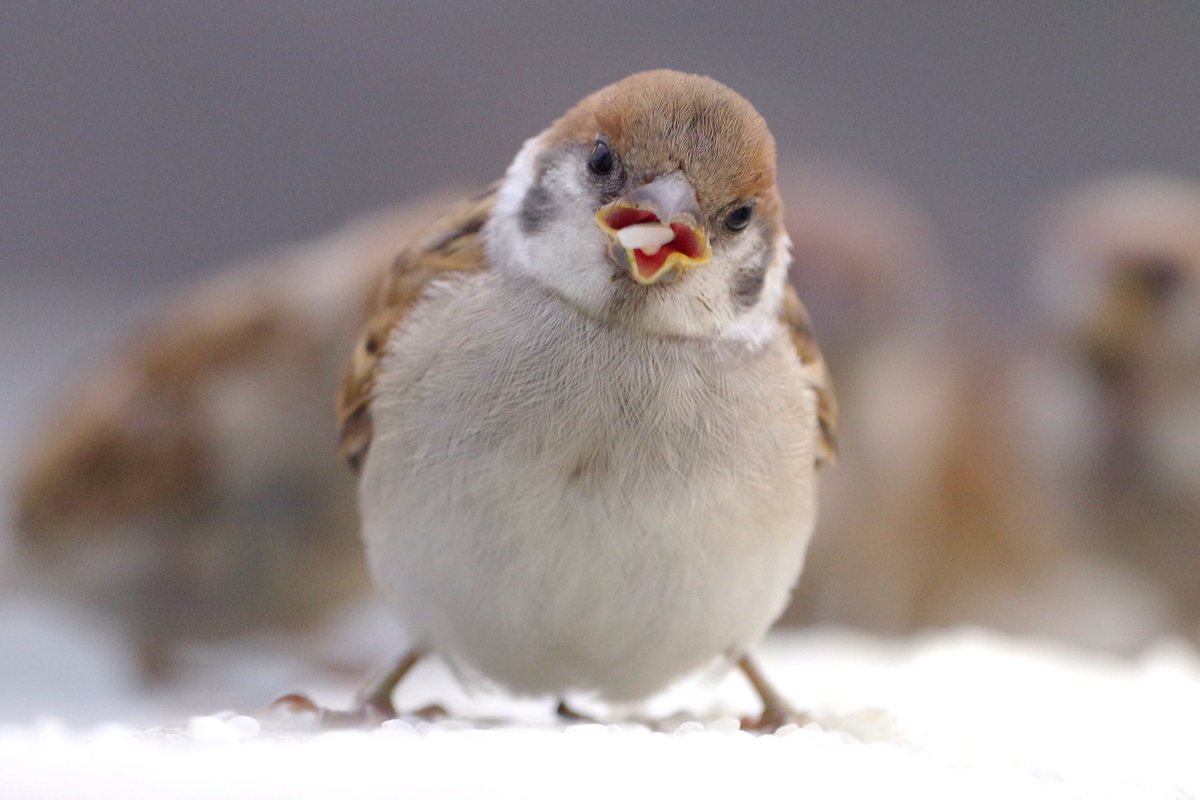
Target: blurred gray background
(143, 143)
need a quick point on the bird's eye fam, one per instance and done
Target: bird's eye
(601, 161)
(739, 218)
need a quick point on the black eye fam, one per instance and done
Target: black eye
(739, 218)
(601, 161)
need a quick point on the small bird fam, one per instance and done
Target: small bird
(1117, 271)
(187, 484)
(588, 410)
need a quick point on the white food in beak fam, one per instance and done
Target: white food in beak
(649, 237)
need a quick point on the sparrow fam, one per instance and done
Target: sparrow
(588, 410)
(186, 484)
(1117, 271)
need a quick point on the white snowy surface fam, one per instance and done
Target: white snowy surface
(953, 714)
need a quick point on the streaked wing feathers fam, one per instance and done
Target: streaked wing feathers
(453, 244)
(799, 328)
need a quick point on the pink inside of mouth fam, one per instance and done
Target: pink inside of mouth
(686, 241)
(624, 217)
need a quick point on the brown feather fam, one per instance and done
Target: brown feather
(135, 437)
(795, 317)
(453, 244)
(662, 120)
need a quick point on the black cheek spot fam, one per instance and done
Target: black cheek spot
(748, 284)
(537, 209)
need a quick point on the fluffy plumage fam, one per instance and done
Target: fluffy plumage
(572, 481)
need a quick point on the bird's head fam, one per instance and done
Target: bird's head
(651, 204)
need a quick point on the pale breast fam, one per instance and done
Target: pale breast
(562, 505)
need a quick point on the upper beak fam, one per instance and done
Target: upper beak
(656, 228)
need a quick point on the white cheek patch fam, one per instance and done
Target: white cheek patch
(565, 183)
(565, 251)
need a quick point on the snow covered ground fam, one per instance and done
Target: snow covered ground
(953, 714)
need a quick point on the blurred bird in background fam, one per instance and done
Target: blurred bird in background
(188, 484)
(1117, 369)
(866, 257)
(932, 517)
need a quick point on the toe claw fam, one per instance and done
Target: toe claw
(430, 713)
(569, 714)
(772, 719)
(295, 703)
(371, 713)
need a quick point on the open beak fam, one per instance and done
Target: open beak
(655, 229)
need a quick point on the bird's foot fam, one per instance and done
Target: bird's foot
(363, 715)
(777, 711)
(774, 717)
(568, 714)
(430, 713)
(368, 714)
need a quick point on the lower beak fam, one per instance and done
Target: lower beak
(655, 229)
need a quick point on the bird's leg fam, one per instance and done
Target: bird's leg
(372, 703)
(776, 712)
(375, 696)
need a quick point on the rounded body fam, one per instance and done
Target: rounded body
(561, 504)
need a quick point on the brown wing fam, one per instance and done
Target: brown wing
(795, 316)
(453, 244)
